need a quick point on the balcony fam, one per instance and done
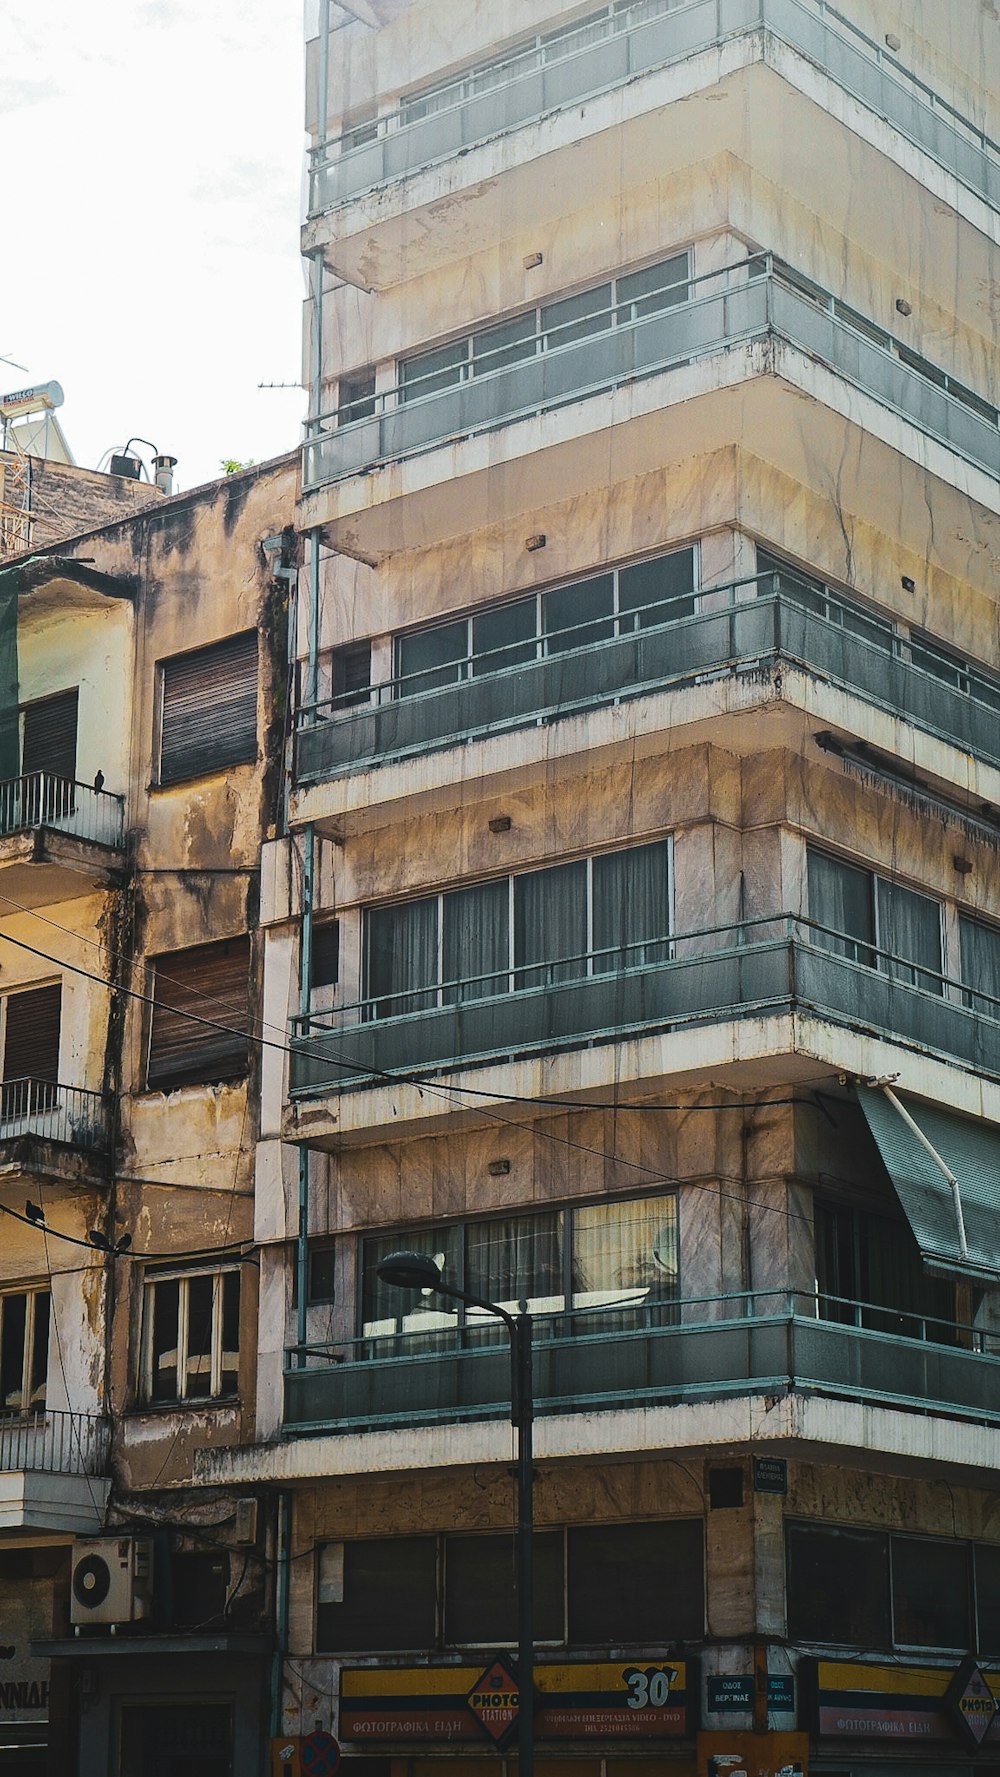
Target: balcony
(654, 1355)
(54, 1471)
(768, 974)
(729, 337)
(514, 119)
(764, 622)
(54, 1131)
(54, 832)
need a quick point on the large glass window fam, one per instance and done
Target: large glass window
(903, 1591)
(930, 1593)
(875, 921)
(980, 962)
(557, 620)
(869, 1271)
(821, 1606)
(590, 917)
(565, 321)
(620, 1254)
(480, 1589)
(636, 1582)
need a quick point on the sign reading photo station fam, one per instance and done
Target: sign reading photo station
(630, 1700)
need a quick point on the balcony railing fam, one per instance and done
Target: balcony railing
(54, 1443)
(760, 967)
(605, 53)
(703, 1349)
(41, 799)
(753, 303)
(761, 622)
(65, 1114)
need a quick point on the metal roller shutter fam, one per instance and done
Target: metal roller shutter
(49, 740)
(31, 1034)
(209, 709)
(212, 981)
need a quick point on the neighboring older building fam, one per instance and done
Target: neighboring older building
(145, 664)
(44, 494)
(644, 816)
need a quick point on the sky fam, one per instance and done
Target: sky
(151, 157)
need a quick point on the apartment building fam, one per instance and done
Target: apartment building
(637, 927)
(143, 707)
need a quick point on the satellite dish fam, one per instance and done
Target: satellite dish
(41, 398)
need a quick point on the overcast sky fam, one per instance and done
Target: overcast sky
(151, 175)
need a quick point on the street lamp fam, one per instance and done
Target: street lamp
(417, 1271)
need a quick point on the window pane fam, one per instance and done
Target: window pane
(13, 1334)
(658, 591)
(820, 1606)
(165, 1309)
(480, 1589)
(550, 925)
(41, 1303)
(386, 1310)
(476, 941)
(631, 908)
(230, 1368)
(576, 317)
(636, 1583)
(325, 962)
(322, 1271)
(980, 951)
(840, 899)
(442, 368)
(578, 615)
(403, 957)
(930, 1593)
(431, 657)
(200, 1294)
(792, 583)
(357, 397)
(497, 348)
(625, 1254)
(988, 1597)
(909, 929)
(653, 289)
(516, 1261)
(389, 1599)
(504, 637)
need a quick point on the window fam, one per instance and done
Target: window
(325, 953)
(191, 1335)
(24, 1350)
(48, 735)
(869, 1269)
(208, 709)
(356, 396)
(820, 1606)
(593, 916)
(616, 1256)
(874, 921)
(554, 621)
(633, 1584)
(835, 607)
(566, 321)
(31, 1028)
(212, 982)
(636, 1582)
(906, 1591)
(979, 949)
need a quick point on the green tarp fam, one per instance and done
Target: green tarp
(10, 584)
(971, 1151)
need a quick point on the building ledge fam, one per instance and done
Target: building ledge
(94, 1647)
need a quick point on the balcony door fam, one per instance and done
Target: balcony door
(48, 756)
(30, 1070)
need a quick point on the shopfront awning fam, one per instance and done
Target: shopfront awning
(956, 1223)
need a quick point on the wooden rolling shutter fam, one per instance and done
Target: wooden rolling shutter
(49, 742)
(212, 981)
(31, 1034)
(209, 709)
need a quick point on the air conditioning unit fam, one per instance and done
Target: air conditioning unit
(112, 1580)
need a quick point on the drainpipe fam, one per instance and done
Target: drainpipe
(282, 1604)
(305, 997)
(956, 1191)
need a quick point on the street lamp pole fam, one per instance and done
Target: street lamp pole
(417, 1271)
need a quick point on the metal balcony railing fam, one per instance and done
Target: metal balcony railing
(66, 1114)
(755, 968)
(765, 621)
(605, 52)
(41, 799)
(54, 1443)
(755, 303)
(653, 1354)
